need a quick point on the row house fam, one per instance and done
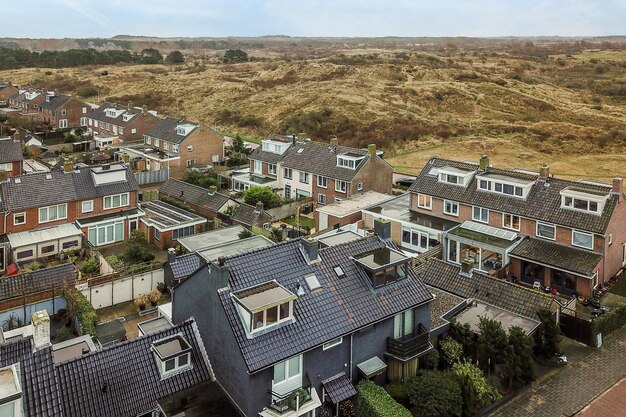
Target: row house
(27, 100)
(324, 172)
(7, 90)
(101, 201)
(181, 144)
(528, 226)
(165, 223)
(61, 111)
(124, 122)
(11, 157)
(294, 320)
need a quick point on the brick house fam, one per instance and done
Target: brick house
(61, 111)
(264, 163)
(27, 101)
(185, 144)
(100, 200)
(7, 90)
(573, 231)
(11, 158)
(127, 123)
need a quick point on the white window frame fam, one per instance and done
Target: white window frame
(332, 343)
(84, 110)
(133, 131)
(510, 227)
(258, 167)
(427, 201)
(156, 142)
(279, 318)
(341, 186)
(15, 222)
(548, 225)
(321, 198)
(322, 181)
(288, 173)
(271, 169)
(47, 211)
(288, 378)
(452, 204)
(166, 146)
(110, 199)
(62, 123)
(82, 206)
(177, 366)
(148, 140)
(583, 233)
(8, 167)
(304, 177)
(83, 121)
(481, 211)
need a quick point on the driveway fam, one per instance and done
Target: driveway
(590, 372)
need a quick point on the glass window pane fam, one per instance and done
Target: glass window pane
(408, 322)
(423, 241)
(91, 235)
(279, 372)
(170, 364)
(580, 204)
(593, 206)
(406, 236)
(257, 321)
(390, 274)
(119, 231)
(416, 238)
(116, 201)
(379, 278)
(397, 326)
(52, 213)
(183, 360)
(271, 315)
(284, 311)
(124, 199)
(101, 235)
(63, 211)
(43, 214)
(294, 366)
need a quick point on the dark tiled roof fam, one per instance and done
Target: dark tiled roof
(265, 156)
(37, 190)
(579, 261)
(249, 216)
(33, 282)
(494, 291)
(185, 265)
(131, 375)
(40, 386)
(99, 114)
(542, 203)
(55, 102)
(165, 129)
(14, 350)
(10, 151)
(339, 388)
(193, 194)
(340, 307)
(443, 303)
(319, 158)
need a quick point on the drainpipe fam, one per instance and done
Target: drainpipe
(351, 340)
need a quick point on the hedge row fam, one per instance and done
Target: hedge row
(374, 401)
(610, 321)
(80, 309)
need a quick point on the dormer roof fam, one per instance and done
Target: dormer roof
(169, 129)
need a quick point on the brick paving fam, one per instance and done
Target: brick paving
(589, 373)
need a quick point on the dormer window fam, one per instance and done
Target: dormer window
(383, 266)
(127, 116)
(184, 129)
(502, 184)
(10, 392)
(349, 160)
(577, 198)
(451, 175)
(172, 355)
(264, 306)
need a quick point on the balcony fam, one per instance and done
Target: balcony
(287, 402)
(409, 347)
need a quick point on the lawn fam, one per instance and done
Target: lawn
(304, 221)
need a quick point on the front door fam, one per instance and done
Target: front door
(287, 191)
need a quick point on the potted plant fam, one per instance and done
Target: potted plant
(154, 296)
(141, 301)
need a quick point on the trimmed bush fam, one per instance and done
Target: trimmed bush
(374, 401)
(609, 322)
(436, 394)
(399, 392)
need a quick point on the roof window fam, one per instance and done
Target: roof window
(383, 266)
(264, 305)
(173, 355)
(312, 282)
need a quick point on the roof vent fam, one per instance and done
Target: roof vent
(18, 180)
(48, 176)
(299, 290)
(104, 388)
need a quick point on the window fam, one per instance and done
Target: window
(322, 181)
(175, 364)
(108, 126)
(321, 199)
(417, 240)
(510, 221)
(453, 251)
(133, 131)
(19, 218)
(451, 207)
(183, 231)
(287, 370)
(341, 186)
(156, 142)
(83, 121)
(9, 409)
(52, 213)
(546, 231)
(403, 324)
(166, 146)
(70, 244)
(288, 174)
(121, 130)
(148, 140)
(25, 254)
(579, 204)
(62, 123)
(87, 206)
(258, 167)
(271, 169)
(304, 177)
(582, 239)
(424, 201)
(115, 201)
(106, 233)
(332, 343)
(84, 110)
(480, 214)
(287, 191)
(63, 112)
(271, 316)
(189, 148)
(359, 186)
(508, 189)
(484, 185)
(48, 249)
(8, 167)
(191, 162)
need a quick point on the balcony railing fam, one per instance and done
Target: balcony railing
(409, 346)
(283, 403)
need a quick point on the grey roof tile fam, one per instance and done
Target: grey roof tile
(185, 265)
(12, 286)
(193, 194)
(265, 156)
(339, 388)
(10, 151)
(165, 129)
(54, 102)
(14, 350)
(99, 114)
(320, 158)
(542, 203)
(249, 216)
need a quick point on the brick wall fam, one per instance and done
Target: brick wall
(74, 112)
(141, 123)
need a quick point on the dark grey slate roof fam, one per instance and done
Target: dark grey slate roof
(10, 151)
(339, 388)
(33, 282)
(99, 114)
(249, 216)
(193, 194)
(578, 261)
(131, 374)
(40, 386)
(265, 156)
(542, 203)
(342, 306)
(54, 102)
(185, 265)
(494, 291)
(165, 129)
(37, 190)
(15, 349)
(319, 158)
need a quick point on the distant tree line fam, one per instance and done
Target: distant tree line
(22, 58)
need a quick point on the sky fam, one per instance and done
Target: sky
(331, 18)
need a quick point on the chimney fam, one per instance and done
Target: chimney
(483, 165)
(334, 141)
(144, 109)
(293, 139)
(213, 190)
(310, 248)
(544, 172)
(618, 186)
(68, 166)
(220, 273)
(382, 228)
(41, 329)
(259, 207)
(371, 149)
(130, 104)
(16, 135)
(171, 255)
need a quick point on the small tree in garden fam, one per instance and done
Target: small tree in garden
(547, 336)
(518, 359)
(263, 194)
(492, 342)
(452, 351)
(436, 394)
(463, 334)
(477, 391)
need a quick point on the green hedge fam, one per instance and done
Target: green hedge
(374, 401)
(610, 321)
(80, 309)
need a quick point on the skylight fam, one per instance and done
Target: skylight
(312, 282)
(339, 272)
(488, 230)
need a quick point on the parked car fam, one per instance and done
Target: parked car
(405, 182)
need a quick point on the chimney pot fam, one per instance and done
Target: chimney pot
(221, 261)
(484, 162)
(259, 206)
(334, 141)
(310, 247)
(41, 326)
(544, 172)
(618, 185)
(371, 148)
(171, 255)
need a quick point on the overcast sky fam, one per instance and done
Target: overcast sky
(105, 18)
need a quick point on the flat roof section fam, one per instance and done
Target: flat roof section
(154, 325)
(355, 203)
(472, 314)
(236, 247)
(339, 238)
(165, 216)
(211, 238)
(72, 348)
